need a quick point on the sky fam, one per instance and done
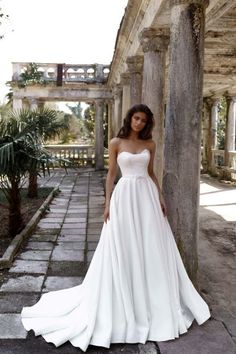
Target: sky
(58, 31)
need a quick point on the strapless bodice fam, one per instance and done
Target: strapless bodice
(133, 165)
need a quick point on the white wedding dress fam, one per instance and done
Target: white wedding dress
(136, 288)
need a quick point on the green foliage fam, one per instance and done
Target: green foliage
(21, 155)
(221, 126)
(43, 120)
(31, 76)
(89, 122)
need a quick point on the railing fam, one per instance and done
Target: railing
(219, 162)
(80, 155)
(66, 73)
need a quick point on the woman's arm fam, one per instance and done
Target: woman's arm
(154, 178)
(111, 175)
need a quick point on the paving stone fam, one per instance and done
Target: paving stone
(11, 326)
(92, 245)
(43, 238)
(209, 338)
(39, 245)
(149, 348)
(230, 324)
(78, 225)
(74, 220)
(46, 225)
(55, 215)
(40, 231)
(72, 238)
(94, 232)
(76, 215)
(24, 283)
(90, 255)
(55, 209)
(67, 268)
(58, 283)
(73, 231)
(52, 219)
(71, 245)
(14, 302)
(93, 237)
(95, 219)
(35, 255)
(60, 254)
(26, 266)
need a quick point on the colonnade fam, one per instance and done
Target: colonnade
(179, 142)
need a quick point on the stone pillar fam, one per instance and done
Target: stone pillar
(117, 92)
(125, 83)
(33, 104)
(154, 43)
(135, 66)
(183, 126)
(99, 135)
(17, 104)
(110, 120)
(230, 129)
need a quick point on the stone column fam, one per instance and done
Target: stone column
(33, 103)
(125, 83)
(230, 129)
(183, 126)
(99, 135)
(110, 120)
(135, 66)
(117, 92)
(154, 43)
(17, 104)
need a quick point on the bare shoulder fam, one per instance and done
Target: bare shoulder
(114, 144)
(151, 145)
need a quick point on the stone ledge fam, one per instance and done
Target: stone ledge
(8, 256)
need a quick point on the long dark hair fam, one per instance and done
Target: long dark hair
(146, 132)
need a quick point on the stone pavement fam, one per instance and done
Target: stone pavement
(57, 256)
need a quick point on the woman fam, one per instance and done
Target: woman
(136, 288)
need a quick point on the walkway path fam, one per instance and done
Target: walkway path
(57, 256)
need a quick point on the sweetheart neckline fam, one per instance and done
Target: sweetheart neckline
(133, 153)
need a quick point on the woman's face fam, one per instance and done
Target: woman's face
(138, 121)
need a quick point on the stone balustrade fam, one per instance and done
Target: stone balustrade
(218, 157)
(90, 73)
(80, 155)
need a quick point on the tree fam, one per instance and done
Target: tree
(45, 123)
(89, 122)
(18, 151)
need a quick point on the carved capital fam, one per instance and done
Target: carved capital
(204, 3)
(154, 39)
(125, 79)
(135, 64)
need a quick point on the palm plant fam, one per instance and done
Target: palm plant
(17, 148)
(44, 122)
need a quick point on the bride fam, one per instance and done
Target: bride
(136, 288)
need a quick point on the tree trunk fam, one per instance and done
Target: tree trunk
(15, 216)
(33, 185)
